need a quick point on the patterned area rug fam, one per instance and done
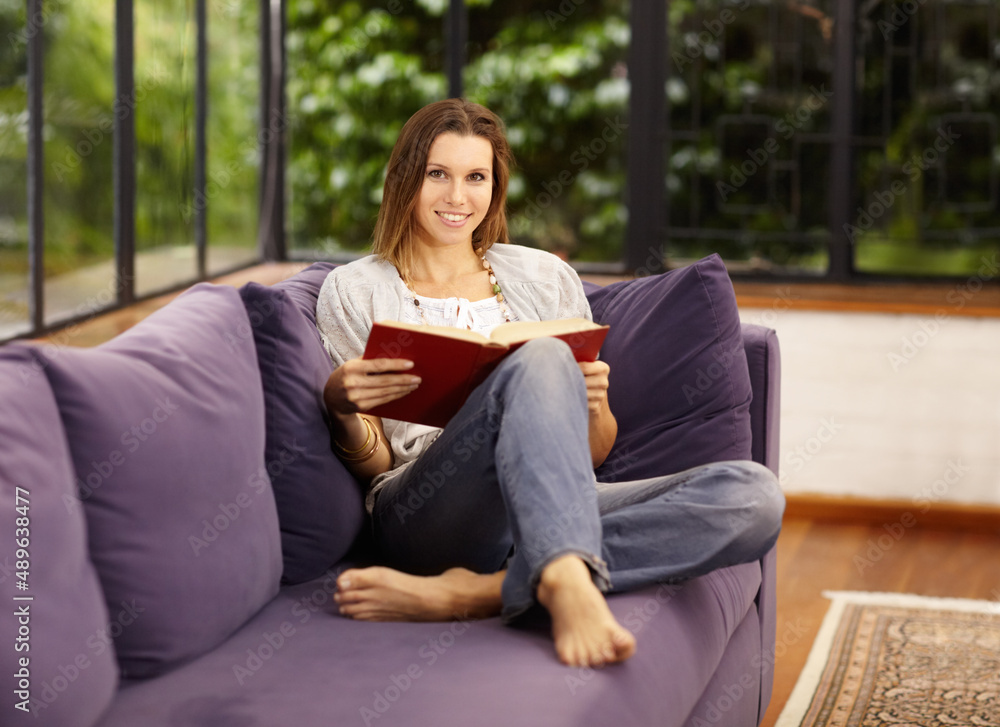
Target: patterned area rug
(900, 660)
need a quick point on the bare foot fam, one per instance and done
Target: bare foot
(583, 627)
(384, 594)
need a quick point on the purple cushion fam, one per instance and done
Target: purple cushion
(166, 430)
(58, 650)
(678, 334)
(319, 503)
(303, 288)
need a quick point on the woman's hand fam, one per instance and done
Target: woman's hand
(361, 384)
(354, 388)
(595, 376)
(603, 427)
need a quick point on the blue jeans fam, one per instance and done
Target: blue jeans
(510, 483)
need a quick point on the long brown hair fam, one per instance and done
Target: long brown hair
(404, 177)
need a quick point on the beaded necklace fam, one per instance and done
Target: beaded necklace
(493, 281)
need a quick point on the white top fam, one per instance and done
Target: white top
(536, 286)
(481, 316)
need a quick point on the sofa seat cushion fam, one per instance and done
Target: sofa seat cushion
(57, 664)
(165, 425)
(319, 502)
(298, 663)
(677, 335)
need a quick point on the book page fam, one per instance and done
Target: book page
(519, 331)
(460, 333)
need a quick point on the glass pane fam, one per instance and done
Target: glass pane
(14, 314)
(79, 149)
(356, 72)
(928, 162)
(233, 112)
(747, 152)
(165, 71)
(558, 77)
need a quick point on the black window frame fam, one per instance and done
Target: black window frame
(270, 243)
(647, 233)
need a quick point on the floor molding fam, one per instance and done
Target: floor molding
(908, 513)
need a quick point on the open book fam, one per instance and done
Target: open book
(451, 362)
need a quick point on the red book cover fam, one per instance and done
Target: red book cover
(451, 362)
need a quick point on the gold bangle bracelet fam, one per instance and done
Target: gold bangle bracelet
(363, 447)
(364, 457)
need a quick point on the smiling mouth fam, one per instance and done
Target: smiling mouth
(453, 217)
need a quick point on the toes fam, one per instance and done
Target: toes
(350, 610)
(624, 646)
(362, 612)
(580, 653)
(607, 654)
(603, 654)
(620, 648)
(570, 655)
(355, 579)
(596, 653)
(347, 580)
(352, 596)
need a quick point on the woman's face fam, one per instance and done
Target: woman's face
(456, 191)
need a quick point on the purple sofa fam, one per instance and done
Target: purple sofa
(172, 521)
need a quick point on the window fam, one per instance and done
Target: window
(234, 134)
(796, 138)
(14, 307)
(148, 144)
(130, 140)
(165, 77)
(748, 137)
(795, 147)
(927, 153)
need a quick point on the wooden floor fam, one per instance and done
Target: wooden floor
(816, 555)
(976, 296)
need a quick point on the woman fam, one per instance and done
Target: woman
(513, 515)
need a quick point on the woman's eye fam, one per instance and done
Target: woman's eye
(477, 177)
(436, 173)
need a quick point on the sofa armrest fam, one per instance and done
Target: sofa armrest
(764, 362)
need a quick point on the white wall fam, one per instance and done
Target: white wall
(892, 406)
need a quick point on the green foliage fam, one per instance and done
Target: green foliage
(233, 133)
(556, 73)
(558, 79)
(78, 100)
(928, 191)
(918, 207)
(358, 70)
(13, 137)
(81, 106)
